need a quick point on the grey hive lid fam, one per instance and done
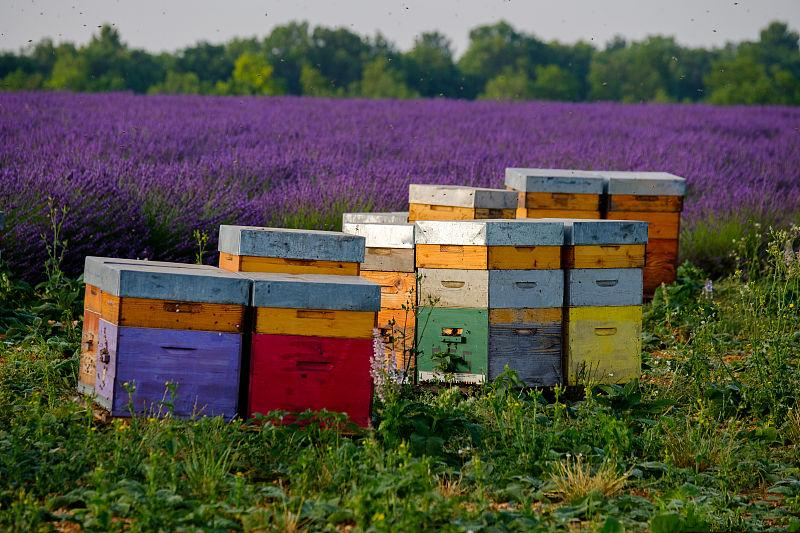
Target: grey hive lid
(582, 232)
(314, 291)
(166, 281)
(394, 217)
(492, 232)
(383, 235)
(291, 243)
(458, 196)
(554, 180)
(645, 183)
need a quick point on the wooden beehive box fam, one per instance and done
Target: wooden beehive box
(459, 335)
(527, 340)
(656, 198)
(453, 202)
(289, 251)
(389, 246)
(553, 193)
(392, 217)
(168, 323)
(489, 244)
(312, 344)
(604, 243)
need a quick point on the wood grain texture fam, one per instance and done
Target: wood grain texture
(398, 289)
(603, 344)
(593, 287)
(513, 316)
(660, 225)
(388, 259)
(633, 202)
(446, 212)
(437, 332)
(315, 322)
(106, 364)
(605, 256)
(296, 374)
(249, 263)
(450, 287)
(488, 257)
(149, 313)
(204, 366)
(313, 291)
(532, 349)
(396, 328)
(452, 256)
(559, 213)
(91, 299)
(661, 264)
(87, 368)
(562, 201)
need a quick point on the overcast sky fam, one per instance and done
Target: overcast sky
(172, 24)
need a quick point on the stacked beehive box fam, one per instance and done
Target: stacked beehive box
(554, 193)
(314, 318)
(603, 262)
(389, 262)
(312, 344)
(453, 202)
(656, 198)
(490, 294)
(161, 324)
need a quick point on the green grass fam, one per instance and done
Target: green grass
(708, 439)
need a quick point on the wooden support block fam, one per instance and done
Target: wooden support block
(246, 263)
(295, 374)
(446, 212)
(396, 327)
(315, 322)
(603, 344)
(389, 259)
(470, 257)
(203, 366)
(462, 335)
(166, 314)
(91, 299)
(659, 225)
(398, 289)
(661, 264)
(634, 202)
(557, 213)
(562, 201)
(595, 287)
(87, 369)
(605, 256)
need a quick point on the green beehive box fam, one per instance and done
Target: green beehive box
(462, 334)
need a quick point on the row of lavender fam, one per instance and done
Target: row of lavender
(139, 174)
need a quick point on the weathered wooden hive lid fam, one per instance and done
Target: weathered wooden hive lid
(291, 243)
(554, 180)
(383, 235)
(645, 183)
(166, 281)
(314, 291)
(394, 217)
(492, 232)
(583, 232)
(459, 196)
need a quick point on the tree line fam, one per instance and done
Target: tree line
(499, 63)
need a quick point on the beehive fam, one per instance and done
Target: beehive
(392, 217)
(552, 193)
(312, 343)
(490, 295)
(656, 198)
(167, 323)
(289, 251)
(389, 262)
(453, 202)
(602, 310)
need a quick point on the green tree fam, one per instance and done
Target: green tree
(509, 85)
(288, 48)
(381, 81)
(554, 83)
(430, 68)
(70, 71)
(313, 83)
(177, 83)
(209, 62)
(252, 75)
(494, 51)
(338, 54)
(20, 80)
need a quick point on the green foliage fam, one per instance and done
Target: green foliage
(554, 83)
(252, 75)
(313, 83)
(177, 83)
(509, 85)
(381, 81)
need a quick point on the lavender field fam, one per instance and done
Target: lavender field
(139, 174)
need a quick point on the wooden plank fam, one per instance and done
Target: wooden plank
(394, 217)
(396, 328)
(439, 212)
(605, 256)
(513, 289)
(450, 287)
(490, 232)
(295, 374)
(461, 196)
(307, 291)
(636, 202)
(603, 344)
(288, 243)
(452, 256)
(593, 287)
(91, 299)
(661, 264)
(315, 322)
(523, 257)
(248, 263)
(87, 368)
(398, 289)
(644, 183)
(481, 213)
(192, 316)
(106, 364)
(512, 316)
(560, 213)
(554, 180)
(660, 225)
(388, 259)
(463, 333)
(563, 201)
(531, 349)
